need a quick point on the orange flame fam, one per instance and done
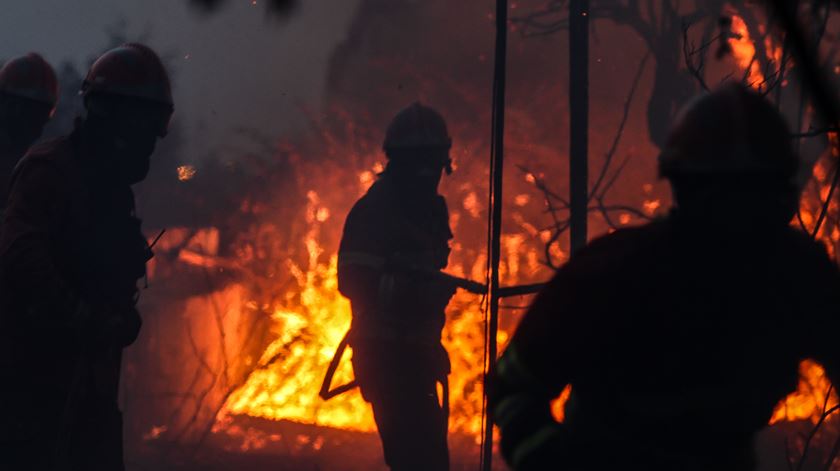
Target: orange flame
(809, 401)
(743, 50)
(313, 317)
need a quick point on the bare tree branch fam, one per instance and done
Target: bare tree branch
(620, 132)
(689, 51)
(825, 414)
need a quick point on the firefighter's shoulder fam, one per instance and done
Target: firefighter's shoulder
(54, 152)
(371, 206)
(620, 249)
(49, 159)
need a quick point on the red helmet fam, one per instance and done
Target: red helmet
(417, 127)
(731, 131)
(131, 70)
(30, 77)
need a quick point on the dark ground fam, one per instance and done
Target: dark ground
(287, 446)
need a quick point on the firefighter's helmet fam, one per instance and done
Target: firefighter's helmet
(418, 128)
(131, 70)
(30, 77)
(731, 131)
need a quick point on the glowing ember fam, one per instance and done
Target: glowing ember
(186, 172)
(558, 406)
(155, 432)
(651, 206)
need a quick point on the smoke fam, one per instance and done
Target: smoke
(279, 8)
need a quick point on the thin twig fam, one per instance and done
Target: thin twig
(827, 203)
(696, 70)
(813, 433)
(625, 113)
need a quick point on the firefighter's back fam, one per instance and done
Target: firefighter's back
(700, 336)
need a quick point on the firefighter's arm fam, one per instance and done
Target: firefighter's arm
(33, 207)
(532, 371)
(358, 275)
(360, 262)
(369, 277)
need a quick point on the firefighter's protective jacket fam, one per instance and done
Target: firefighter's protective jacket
(393, 309)
(678, 341)
(71, 253)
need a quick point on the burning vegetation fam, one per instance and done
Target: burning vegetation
(252, 288)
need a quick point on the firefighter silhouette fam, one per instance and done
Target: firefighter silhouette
(680, 336)
(28, 96)
(397, 232)
(71, 252)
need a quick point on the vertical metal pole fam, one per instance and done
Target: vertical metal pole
(579, 121)
(497, 166)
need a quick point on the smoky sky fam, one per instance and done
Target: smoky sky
(234, 68)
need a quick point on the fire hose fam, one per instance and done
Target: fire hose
(327, 392)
